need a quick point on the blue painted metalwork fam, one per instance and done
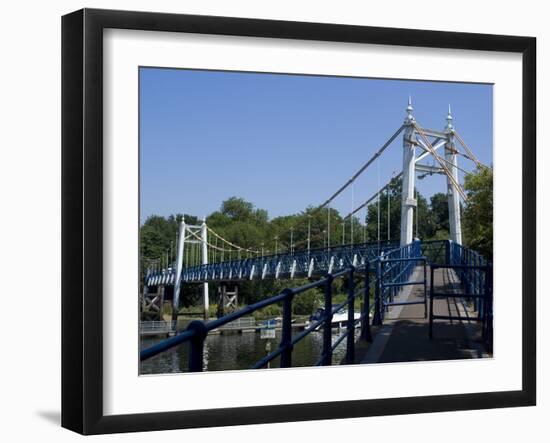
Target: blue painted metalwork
(299, 264)
(393, 271)
(365, 312)
(482, 294)
(476, 277)
(197, 331)
(473, 279)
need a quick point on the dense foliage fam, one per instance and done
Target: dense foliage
(477, 224)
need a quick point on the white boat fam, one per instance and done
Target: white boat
(339, 318)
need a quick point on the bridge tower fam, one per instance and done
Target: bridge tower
(413, 137)
(452, 192)
(179, 266)
(190, 234)
(408, 202)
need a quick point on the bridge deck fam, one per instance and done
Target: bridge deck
(404, 335)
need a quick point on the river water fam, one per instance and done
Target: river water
(238, 351)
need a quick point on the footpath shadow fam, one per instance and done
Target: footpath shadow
(409, 342)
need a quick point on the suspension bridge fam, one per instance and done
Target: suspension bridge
(434, 281)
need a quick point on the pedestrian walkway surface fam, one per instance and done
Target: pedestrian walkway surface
(404, 334)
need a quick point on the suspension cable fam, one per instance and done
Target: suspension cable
(211, 245)
(388, 197)
(362, 169)
(469, 151)
(378, 202)
(228, 242)
(370, 199)
(328, 226)
(442, 164)
(351, 218)
(425, 149)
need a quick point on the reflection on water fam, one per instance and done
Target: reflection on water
(238, 351)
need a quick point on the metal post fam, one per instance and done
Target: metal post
(196, 343)
(478, 286)
(431, 321)
(365, 322)
(452, 192)
(350, 342)
(416, 211)
(408, 202)
(327, 326)
(365, 227)
(179, 266)
(377, 319)
(204, 242)
(489, 307)
(286, 334)
(425, 290)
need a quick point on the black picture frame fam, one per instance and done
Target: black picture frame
(82, 239)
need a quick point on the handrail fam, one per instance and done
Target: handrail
(241, 268)
(482, 294)
(392, 272)
(197, 330)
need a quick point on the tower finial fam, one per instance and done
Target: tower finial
(409, 110)
(449, 126)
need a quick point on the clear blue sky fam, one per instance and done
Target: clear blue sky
(284, 142)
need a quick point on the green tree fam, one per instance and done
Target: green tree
(423, 227)
(478, 212)
(394, 217)
(439, 217)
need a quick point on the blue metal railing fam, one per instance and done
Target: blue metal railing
(315, 262)
(393, 271)
(475, 274)
(472, 276)
(197, 331)
(481, 295)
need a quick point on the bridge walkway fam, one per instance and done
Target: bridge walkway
(404, 334)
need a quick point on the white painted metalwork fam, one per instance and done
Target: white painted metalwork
(204, 239)
(452, 192)
(179, 266)
(408, 202)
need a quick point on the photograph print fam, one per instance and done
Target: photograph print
(300, 220)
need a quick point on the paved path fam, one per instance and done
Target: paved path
(404, 335)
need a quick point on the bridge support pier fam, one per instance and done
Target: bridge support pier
(152, 304)
(227, 301)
